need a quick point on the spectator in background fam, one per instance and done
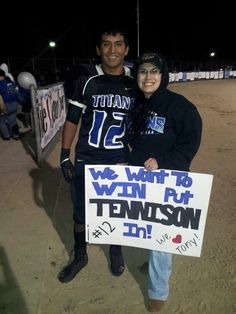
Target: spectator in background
(8, 124)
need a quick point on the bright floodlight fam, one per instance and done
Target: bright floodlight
(52, 44)
(212, 54)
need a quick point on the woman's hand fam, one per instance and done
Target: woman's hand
(151, 164)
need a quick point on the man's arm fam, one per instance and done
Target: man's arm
(68, 134)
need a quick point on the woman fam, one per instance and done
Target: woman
(165, 133)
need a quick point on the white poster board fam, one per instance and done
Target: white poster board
(160, 210)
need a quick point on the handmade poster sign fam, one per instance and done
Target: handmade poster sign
(163, 210)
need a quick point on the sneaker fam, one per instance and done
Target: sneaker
(69, 272)
(117, 261)
(155, 305)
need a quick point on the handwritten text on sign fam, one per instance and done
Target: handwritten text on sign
(161, 210)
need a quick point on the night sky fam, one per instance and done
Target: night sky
(162, 27)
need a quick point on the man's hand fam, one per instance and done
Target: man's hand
(67, 168)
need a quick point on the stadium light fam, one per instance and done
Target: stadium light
(212, 54)
(52, 45)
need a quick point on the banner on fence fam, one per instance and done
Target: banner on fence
(51, 110)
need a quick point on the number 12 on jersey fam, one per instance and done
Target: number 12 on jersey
(113, 133)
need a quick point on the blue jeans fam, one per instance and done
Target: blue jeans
(160, 267)
(3, 126)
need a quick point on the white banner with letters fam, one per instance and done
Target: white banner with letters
(51, 109)
(163, 210)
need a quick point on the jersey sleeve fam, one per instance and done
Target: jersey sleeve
(73, 92)
(75, 83)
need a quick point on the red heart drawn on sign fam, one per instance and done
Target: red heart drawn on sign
(177, 239)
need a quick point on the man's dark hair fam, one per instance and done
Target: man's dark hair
(110, 31)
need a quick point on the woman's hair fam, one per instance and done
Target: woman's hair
(137, 115)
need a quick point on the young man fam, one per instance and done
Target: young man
(101, 95)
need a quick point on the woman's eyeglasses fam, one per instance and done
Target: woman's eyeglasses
(152, 72)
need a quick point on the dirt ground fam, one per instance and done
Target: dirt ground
(36, 231)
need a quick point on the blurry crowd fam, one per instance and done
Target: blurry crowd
(15, 102)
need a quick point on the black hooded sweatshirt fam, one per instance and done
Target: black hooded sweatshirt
(172, 133)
